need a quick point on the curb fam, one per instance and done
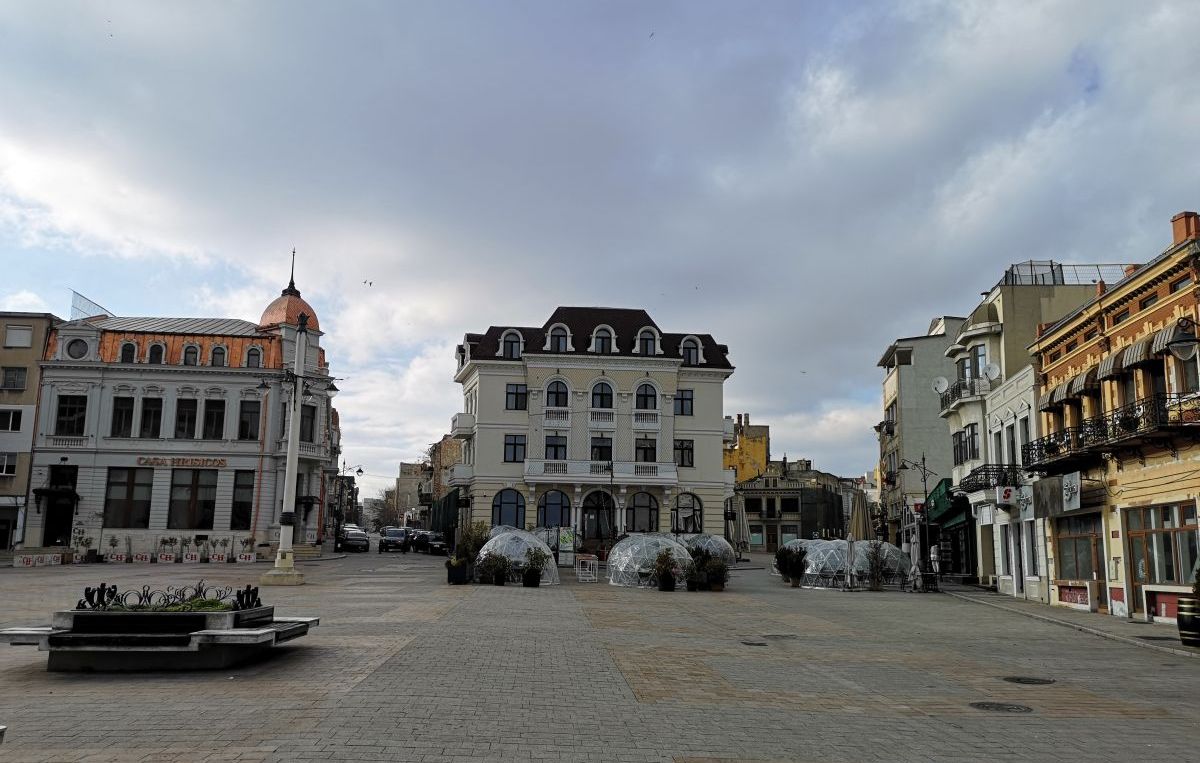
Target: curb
(321, 559)
(1078, 627)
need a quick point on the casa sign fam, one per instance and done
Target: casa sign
(218, 463)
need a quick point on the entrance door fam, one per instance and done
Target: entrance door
(597, 518)
(772, 538)
(1100, 572)
(57, 527)
(1018, 552)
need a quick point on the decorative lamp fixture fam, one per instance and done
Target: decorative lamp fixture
(1184, 348)
(332, 389)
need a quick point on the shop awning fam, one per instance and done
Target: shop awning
(1060, 393)
(1138, 352)
(1045, 403)
(1111, 366)
(1084, 383)
(1170, 334)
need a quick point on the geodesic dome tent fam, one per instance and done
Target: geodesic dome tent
(828, 561)
(513, 544)
(500, 529)
(715, 545)
(896, 563)
(631, 561)
(794, 543)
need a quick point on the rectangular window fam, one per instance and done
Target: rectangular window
(122, 417)
(214, 420)
(1181, 284)
(151, 424)
(1071, 345)
(756, 535)
(556, 447)
(1163, 544)
(516, 397)
(1010, 434)
(185, 419)
(71, 416)
(997, 448)
(602, 449)
(1024, 425)
(646, 450)
(1091, 334)
(514, 448)
(771, 509)
(193, 499)
(1004, 548)
(1119, 317)
(1076, 539)
(8, 464)
(1031, 564)
(1148, 302)
(243, 500)
(12, 377)
(683, 402)
(789, 505)
(249, 413)
(1191, 380)
(308, 420)
(753, 505)
(127, 498)
(788, 532)
(971, 436)
(10, 421)
(18, 336)
(978, 360)
(964, 369)
(685, 452)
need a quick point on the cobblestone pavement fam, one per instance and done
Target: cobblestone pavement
(404, 667)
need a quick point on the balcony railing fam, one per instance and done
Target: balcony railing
(462, 425)
(558, 415)
(645, 419)
(592, 472)
(991, 476)
(61, 441)
(964, 388)
(602, 419)
(462, 474)
(1148, 416)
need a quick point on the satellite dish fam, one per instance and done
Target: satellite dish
(991, 372)
(940, 384)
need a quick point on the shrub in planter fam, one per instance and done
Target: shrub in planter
(700, 560)
(535, 562)
(718, 574)
(876, 561)
(456, 570)
(494, 568)
(783, 562)
(664, 570)
(696, 577)
(1188, 617)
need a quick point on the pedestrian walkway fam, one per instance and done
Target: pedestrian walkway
(1163, 638)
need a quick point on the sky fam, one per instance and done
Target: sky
(805, 181)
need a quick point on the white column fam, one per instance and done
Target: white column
(285, 568)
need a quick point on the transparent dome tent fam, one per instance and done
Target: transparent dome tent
(713, 544)
(513, 544)
(631, 561)
(500, 529)
(826, 561)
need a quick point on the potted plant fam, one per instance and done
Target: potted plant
(695, 577)
(89, 553)
(166, 550)
(188, 551)
(1187, 617)
(783, 556)
(535, 562)
(494, 567)
(700, 559)
(664, 570)
(718, 574)
(247, 555)
(112, 554)
(471, 538)
(457, 569)
(875, 565)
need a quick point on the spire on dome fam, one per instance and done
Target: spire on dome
(291, 287)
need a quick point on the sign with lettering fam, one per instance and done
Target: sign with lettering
(217, 557)
(166, 557)
(191, 557)
(116, 558)
(249, 558)
(211, 463)
(141, 557)
(23, 560)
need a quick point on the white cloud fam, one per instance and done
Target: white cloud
(23, 302)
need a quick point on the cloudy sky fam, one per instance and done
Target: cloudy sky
(803, 180)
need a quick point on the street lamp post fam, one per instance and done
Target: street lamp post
(341, 516)
(923, 524)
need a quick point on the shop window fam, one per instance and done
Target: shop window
(641, 516)
(1163, 544)
(193, 499)
(127, 498)
(242, 506)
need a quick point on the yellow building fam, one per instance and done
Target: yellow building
(1120, 460)
(750, 451)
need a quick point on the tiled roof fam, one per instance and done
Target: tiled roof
(201, 326)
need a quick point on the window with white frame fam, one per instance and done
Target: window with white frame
(18, 336)
(8, 464)
(129, 352)
(511, 346)
(602, 395)
(602, 341)
(690, 351)
(558, 339)
(647, 342)
(10, 420)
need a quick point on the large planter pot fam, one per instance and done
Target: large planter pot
(456, 574)
(693, 585)
(666, 583)
(1188, 619)
(531, 578)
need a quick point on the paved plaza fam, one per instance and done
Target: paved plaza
(404, 667)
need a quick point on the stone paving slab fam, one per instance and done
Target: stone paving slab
(406, 668)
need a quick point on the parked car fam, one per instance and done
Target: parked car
(430, 543)
(353, 540)
(391, 538)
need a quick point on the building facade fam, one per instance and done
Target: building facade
(597, 420)
(749, 450)
(174, 428)
(24, 337)
(1120, 409)
(792, 500)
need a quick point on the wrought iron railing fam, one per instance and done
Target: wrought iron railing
(1142, 417)
(990, 476)
(964, 388)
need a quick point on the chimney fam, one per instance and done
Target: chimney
(739, 420)
(1184, 226)
(1131, 269)
(1100, 287)
(747, 419)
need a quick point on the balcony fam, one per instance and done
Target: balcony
(461, 474)
(313, 450)
(597, 472)
(462, 426)
(601, 419)
(645, 420)
(60, 441)
(559, 417)
(991, 476)
(962, 391)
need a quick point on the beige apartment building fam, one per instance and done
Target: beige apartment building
(24, 337)
(597, 420)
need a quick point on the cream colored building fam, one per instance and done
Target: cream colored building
(597, 420)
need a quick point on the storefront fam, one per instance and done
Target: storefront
(1078, 556)
(1163, 557)
(951, 513)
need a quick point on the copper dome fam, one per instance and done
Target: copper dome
(286, 309)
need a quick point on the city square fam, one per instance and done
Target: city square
(404, 667)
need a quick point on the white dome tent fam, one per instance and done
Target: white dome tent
(827, 562)
(631, 561)
(715, 545)
(500, 530)
(513, 544)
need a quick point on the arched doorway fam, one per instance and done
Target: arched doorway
(597, 522)
(687, 516)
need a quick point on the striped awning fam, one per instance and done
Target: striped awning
(1083, 383)
(1111, 366)
(1060, 393)
(1170, 334)
(1138, 352)
(1045, 403)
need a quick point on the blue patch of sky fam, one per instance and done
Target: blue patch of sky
(1085, 72)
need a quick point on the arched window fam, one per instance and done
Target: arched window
(508, 508)
(129, 353)
(691, 352)
(254, 358)
(602, 396)
(597, 516)
(646, 343)
(603, 341)
(512, 345)
(218, 356)
(554, 510)
(556, 395)
(687, 517)
(641, 516)
(191, 356)
(647, 398)
(156, 354)
(558, 339)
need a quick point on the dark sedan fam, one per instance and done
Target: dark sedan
(353, 540)
(430, 543)
(393, 538)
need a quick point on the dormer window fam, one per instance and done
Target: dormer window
(690, 351)
(558, 339)
(254, 358)
(602, 395)
(556, 395)
(602, 342)
(156, 354)
(218, 356)
(191, 356)
(511, 346)
(129, 353)
(647, 343)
